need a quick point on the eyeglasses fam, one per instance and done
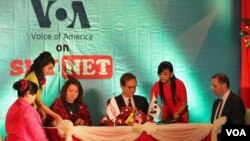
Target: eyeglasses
(131, 87)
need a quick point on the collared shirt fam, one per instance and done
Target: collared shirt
(224, 98)
(126, 100)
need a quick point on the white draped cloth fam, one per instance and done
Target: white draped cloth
(167, 132)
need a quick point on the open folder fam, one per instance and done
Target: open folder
(169, 121)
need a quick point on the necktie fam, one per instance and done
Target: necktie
(219, 109)
(129, 103)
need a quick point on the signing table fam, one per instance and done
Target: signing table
(145, 132)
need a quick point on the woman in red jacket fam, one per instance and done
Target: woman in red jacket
(70, 104)
(173, 94)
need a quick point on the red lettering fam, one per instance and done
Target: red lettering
(19, 67)
(80, 67)
(16, 67)
(87, 67)
(112, 109)
(28, 64)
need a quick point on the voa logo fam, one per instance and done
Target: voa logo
(236, 132)
(67, 12)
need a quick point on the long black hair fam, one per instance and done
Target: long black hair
(39, 63)
(163, 66)
(73, 81)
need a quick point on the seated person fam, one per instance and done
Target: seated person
(127, 97)
(228, 103)
(232, 105)
(22, 120)
(70, 104)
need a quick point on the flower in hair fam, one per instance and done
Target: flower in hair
(24, 85)
(43, 81)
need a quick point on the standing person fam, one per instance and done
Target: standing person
(42, 66)
(22, 120)
(127, 98)
(172, 92)
(228, 104)
(70, 104)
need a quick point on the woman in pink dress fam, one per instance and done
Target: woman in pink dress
(23, 122)
(173, 94)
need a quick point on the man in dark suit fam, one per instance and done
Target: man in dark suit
(228, 104)
(127, 98)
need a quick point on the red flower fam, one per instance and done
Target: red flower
(43, 81)
(136, 117)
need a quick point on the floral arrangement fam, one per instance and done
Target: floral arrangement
(245, 32)
(127, 117)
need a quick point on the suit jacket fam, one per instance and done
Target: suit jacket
(141, 102)
(234, 109)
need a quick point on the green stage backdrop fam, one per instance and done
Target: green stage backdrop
(97, 41)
